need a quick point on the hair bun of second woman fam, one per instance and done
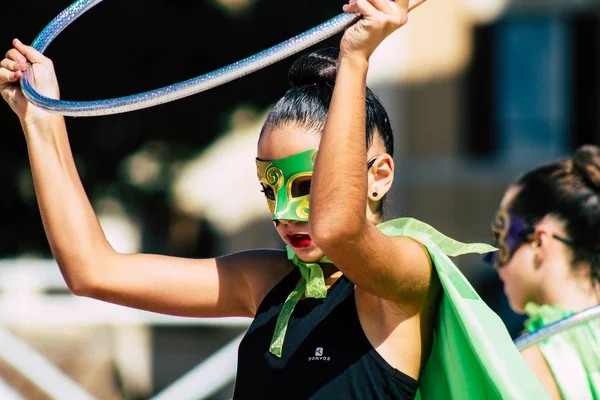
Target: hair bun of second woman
(318, 67)
(587, 162)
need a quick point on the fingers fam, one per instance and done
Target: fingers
(364, 7)
(13, 65)
(394, 11)
(387, 6)
(10, 70)
(7, 75)
(15, 55)
(382, 5)
(30, 53)
(389, 15)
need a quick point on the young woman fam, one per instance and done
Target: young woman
(350, 310)
(548, 233)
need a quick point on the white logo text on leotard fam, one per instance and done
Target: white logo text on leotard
(319, 355)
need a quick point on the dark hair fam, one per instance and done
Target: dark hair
(568, 189)
(312, 77)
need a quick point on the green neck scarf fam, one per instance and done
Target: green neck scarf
(312, 285)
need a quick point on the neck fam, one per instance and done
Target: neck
(572, 294)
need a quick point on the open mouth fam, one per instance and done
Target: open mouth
(299, 240)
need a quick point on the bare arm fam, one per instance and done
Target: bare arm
(228, 286)
(534, 357)
(396, 269)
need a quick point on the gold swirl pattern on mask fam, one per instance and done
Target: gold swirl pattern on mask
(274, 177)
(302, 209)
(501, 227)
(269, 176)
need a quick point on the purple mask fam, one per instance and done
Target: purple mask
(510, 233)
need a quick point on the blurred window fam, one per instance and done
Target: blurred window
(532, 87)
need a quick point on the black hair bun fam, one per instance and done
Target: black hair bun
(587, 162)
(318, 67)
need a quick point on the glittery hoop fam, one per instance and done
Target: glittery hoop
(175, 91)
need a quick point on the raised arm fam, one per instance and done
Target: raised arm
(227, 286)
(397, 269)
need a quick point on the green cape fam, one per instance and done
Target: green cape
(473, 356)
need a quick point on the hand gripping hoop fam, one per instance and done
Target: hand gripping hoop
(175, 91)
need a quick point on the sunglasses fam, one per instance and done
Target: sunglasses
(510, 233)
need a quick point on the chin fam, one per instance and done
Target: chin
(517, 308)
(309, 254)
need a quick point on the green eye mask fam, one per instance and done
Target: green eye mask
(281, 179)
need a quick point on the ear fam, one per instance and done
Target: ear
(540, 242)
(381, 176)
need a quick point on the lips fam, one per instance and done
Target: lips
(299, 240)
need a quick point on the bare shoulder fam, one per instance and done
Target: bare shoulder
(534, 357)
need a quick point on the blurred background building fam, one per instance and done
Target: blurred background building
(478, 91)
